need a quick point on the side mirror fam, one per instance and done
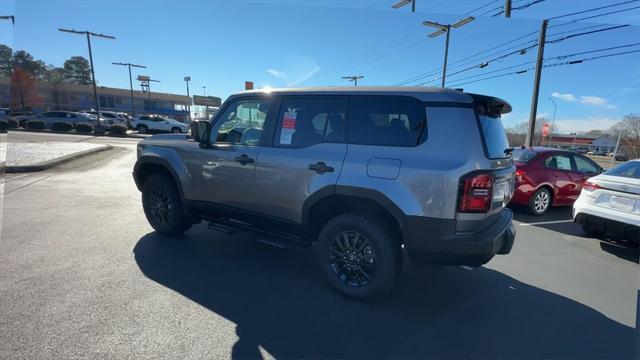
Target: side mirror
(199, 130)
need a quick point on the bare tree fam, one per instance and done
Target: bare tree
(629, 127)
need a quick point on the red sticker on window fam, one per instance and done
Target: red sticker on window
(289, 121)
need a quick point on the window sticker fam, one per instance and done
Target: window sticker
(288, 128)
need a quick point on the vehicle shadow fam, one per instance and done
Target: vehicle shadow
(279, 301)
(553, 214)
(623, 250)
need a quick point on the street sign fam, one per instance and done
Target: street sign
(545, 129)
(248, 85)
(187, 78)
(143, 78)
(207, 101)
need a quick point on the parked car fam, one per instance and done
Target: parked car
(363, 172)
(550, 177)
(22, 117)
(610, 202)
(108, 118)
(71, 117)
(154, 123)
(618, 156)
(4, 113)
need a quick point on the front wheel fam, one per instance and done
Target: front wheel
(359, 255)
(540, 202)
(163, 207)
(142, 129)
(176, 130)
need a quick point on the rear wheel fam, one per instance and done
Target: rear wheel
(176, 130)
(163, 207)
(359, 255)
(540, 202)
(142, 129)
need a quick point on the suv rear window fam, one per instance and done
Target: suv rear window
(386, 121)
(495, 137)
(310, 120)
(523, 155)
(629, 169)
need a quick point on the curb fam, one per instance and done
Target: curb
(133, 136)
(57, 161)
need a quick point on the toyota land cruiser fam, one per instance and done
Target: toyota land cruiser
(364, 173)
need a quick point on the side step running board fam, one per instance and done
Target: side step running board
(277, 239)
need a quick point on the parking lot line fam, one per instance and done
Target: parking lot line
(546, 222)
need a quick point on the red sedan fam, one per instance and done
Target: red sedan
(550, 177)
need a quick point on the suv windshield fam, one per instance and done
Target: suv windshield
(523, 155)
(494, 137)
(629, 169)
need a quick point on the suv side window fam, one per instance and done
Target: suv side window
(585, 166)
(241, 123)
(306, 121)
(386, 121)
(558, 161)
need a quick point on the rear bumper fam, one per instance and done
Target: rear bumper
(436, 241)
(607, 221)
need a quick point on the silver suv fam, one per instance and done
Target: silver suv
(364, 173)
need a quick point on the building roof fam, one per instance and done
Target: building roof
(108, 91)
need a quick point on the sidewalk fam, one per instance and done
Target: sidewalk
(39, 156)
(130, 133)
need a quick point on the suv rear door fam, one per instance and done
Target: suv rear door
(305, 154)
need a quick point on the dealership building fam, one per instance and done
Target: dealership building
(74, 97)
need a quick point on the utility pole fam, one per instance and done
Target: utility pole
(402, 3)
(353, 78)
(615, 151)
(553, 123)
(187, 79)
(129, 65)
(89, 34)
(536, 84)
(442, 29)
(507, 8)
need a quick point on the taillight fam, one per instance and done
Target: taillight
(519, 174)
(475, 193)
(590, 186)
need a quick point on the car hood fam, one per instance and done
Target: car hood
(164, 138)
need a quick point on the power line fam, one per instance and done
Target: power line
(560, 57)
(609, 13)
(584, 33)
(481, 7)
(594, 9)
(572, 62)
(519, 7)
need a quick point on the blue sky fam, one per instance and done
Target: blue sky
(279, 43)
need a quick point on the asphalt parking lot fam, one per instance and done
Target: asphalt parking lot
(84, 275)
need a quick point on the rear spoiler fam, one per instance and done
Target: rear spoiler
(489, 105)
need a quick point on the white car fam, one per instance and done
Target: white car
(152, 123)
(610, 202)
(108, 118)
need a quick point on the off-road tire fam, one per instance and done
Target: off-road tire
(383, 244)
(163, 207)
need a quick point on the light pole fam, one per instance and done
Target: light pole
(129, 65)
(204, 90)
(89, 34)
(553, 122)
(402, 3)
(9, 17)
(446, 29)
(187, 79)
(353, 78)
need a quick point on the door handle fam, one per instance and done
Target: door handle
(320, 167)
(244, 159)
